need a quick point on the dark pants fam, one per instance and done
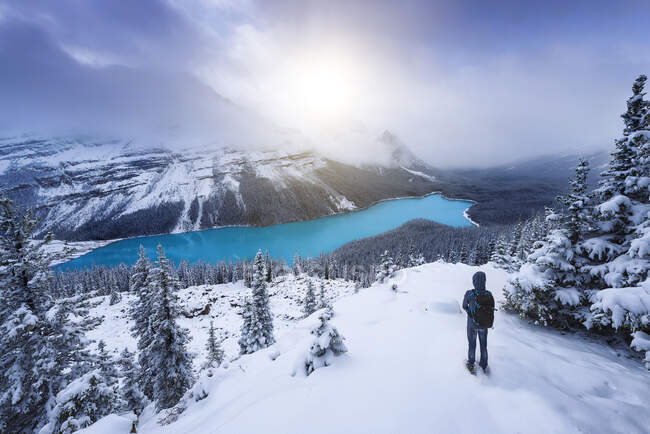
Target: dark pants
(471, 338)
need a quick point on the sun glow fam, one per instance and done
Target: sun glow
(323, 88)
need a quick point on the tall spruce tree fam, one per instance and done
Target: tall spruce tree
(131, 396)
(168, 363)
(386, 267)
(550, 287)
(140, 312)
(213, 349)
(268, 268)
(309, 303)
(41, 353)
(323, 302)
(257, 329)
(297, 269)
(619, 246)
(83, 402)
(500, 256)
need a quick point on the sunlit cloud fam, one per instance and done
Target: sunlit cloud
(459, 83)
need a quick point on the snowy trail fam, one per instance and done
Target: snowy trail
(404, 373)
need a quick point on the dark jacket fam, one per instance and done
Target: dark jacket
(479, 286)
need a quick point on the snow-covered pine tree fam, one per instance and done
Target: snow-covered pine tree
(500, 256)
(472, 256)
(462, 254)
(399, 261)
(333, 268)
(550, 287)
(247, 314)
(323, 303)
(115, 297)
(131, 397)
(83, 402)
(139, 272)
(411, 260)
(168, 363)
(619, 247)
(140, 312)
(297, 269)
(213, 349)
(514, 241)
(327, 344)
(268, 268)
(326, 268)
(42, 348)
(386, 267)
(309, 303)
(257, 329)
(577, 205)
(247, 274)
(106, 364)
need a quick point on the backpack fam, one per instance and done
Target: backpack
(481, 309)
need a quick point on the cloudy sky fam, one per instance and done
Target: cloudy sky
(460, 82)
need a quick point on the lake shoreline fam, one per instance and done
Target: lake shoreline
(105, 243)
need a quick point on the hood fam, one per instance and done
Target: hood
(479, 281)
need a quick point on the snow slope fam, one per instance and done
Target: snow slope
(404, 371)
(87, 189)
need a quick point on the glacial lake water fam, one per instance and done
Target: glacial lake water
(307, 238)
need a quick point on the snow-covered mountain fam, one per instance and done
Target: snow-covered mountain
(403, 372)
(102, 189)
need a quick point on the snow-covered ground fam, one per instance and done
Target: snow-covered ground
(404, 372)
(66, 250)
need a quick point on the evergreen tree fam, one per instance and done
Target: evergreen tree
(248, 319)
(326, 269)
(514, 242)
(141, 312)
(309, 304)
(386, 267)
(41, 352)
(106, 364)
(83, 402)
(619, 245)
(322, 302)
(333, 268)
(327, 344)
(268, 268)
(131, 397)
(399, 261)
(168, 364)
(213, 348)
(247, 274)
(462, 255)
(257, 329)
(297, 269)
(577, 205)
(500, 257)
(115, 297)
(139, 272)
(411, 260)
(550, 287)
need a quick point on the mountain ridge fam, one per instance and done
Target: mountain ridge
(93, 189)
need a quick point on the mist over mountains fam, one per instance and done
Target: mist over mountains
(85, 188)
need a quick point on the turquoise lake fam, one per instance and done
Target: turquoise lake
(307, 238)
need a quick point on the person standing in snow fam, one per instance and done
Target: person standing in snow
(479, 305)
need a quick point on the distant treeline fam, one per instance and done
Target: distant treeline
(415, 242)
